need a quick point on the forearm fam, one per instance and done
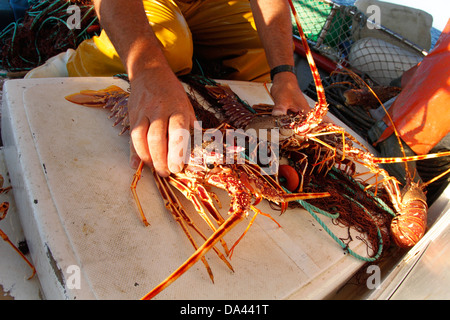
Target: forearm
(273, 21)
(127, 27)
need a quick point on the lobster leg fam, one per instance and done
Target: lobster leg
(244, 233)
(266, 187)
(136, 178)
(174, 206)
(174, 209)
(4, 210)
(205, 199)
(163, 190)
(281, 197)
(286, 198)
(199, 195)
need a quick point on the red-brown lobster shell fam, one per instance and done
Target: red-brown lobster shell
(409, 226)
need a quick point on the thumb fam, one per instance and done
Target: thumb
(279, 110)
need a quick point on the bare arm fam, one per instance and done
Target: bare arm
(158, 104)
(273, 21)
(128, 29)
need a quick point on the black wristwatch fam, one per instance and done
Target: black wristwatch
(281, 68)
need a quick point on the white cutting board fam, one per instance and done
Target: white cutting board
(71, 181)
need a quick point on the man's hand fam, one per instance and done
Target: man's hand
(273, 22)
(160, 112)
(287, 94)
(160, 117)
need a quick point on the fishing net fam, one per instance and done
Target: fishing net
(365, 212)
(47, 29)
(350, 205)
(347, 35)
(344, 34)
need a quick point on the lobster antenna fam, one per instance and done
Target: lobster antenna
(317, 81)
(435, 178)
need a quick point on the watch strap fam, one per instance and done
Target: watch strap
(281, 68)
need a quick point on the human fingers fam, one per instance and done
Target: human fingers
(139, 147)
(134, 158)
(296, 103)
(178, 142)
(279, 110)
(288, 97)
(157, 144)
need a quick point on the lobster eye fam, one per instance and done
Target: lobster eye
(210, 166)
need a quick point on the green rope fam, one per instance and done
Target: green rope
(199, 67)
(83, 34)
(56, 12)
(6, 31)
(380, 237)
(378, 201)
(47, 9)
(39, 30)
(312, 211)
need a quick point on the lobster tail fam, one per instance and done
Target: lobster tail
(236, 112)
(409, 227)
(113, 98)
(95, 98)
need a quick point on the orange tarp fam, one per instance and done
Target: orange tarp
(421, 112)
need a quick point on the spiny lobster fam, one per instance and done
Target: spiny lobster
(243, 181)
